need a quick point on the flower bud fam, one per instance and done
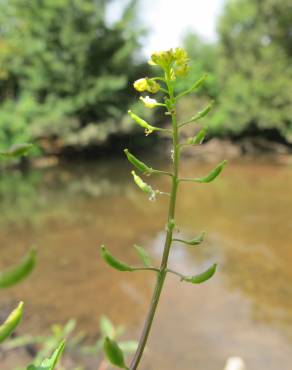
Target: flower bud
(153, 86)
(181, 56)
(162, 58)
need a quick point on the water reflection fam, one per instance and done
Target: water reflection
(246, 310)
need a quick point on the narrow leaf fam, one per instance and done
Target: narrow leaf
(18, 272)
(16, 150)
(11, 322)
(144, 256)
(113, 353)
(137, 163)
(113, 262)
(211, 175)
(199, 138)
(198, 279)
(50, 363)
(193, 242)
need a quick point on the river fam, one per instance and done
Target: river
(69, 211)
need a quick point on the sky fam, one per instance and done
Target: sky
(168, 20)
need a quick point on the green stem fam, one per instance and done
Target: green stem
(168, 239)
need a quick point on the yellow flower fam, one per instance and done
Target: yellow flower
(175, 60)
(146, 84)
(182, 70)
(162, 58)
(148, 102)
(182, 60)
(153, 86)
(181, 56)
(141, 84)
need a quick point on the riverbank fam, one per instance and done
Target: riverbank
(211, 151)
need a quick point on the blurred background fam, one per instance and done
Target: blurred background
(66, 74)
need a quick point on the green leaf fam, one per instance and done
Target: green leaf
(113, 353)
(204, 276)
(11, 322)
(106, 327)
(16, 150)
(144, 256)
(18, 272)
(137, 163)
(211, 175)
(113, 262)
(50, 364)
(199, 138)
(193, 242)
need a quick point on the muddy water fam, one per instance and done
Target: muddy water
(247, 214)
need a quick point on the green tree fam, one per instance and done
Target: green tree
(255, 68)
(64, 69)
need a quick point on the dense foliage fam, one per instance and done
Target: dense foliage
(255, 68)
(65, 71)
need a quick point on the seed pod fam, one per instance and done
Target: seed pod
(199, 83)
(19, 272)
(202, 113)
(11, 322)
(113, 353)
(199, 138)
(137, 163)
(141, 122)
(213, 174)
(193, 242)
(204, 276)
(16, 150)
(113, 262)
(144, 256)
(194, 87)
(142, 185)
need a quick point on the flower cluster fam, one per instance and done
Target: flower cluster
(175, 60)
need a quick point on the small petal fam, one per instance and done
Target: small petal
(148, 102)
